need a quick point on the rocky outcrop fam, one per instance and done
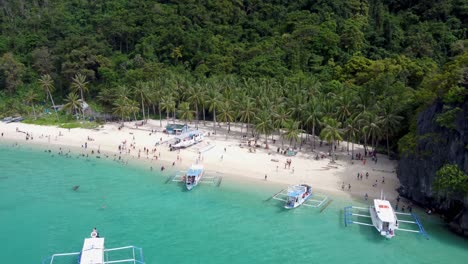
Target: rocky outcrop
(436, 146)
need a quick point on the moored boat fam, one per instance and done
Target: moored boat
(384, 218)
(193, 176)
(297, 195)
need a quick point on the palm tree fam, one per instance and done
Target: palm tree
(168, 105)
(121, 107)
(72, 102)
(195, 98)
(30, 97)
(331, 133)
(47, 85)
(372, 128)
(312, 116)
(281, 115)
(79, 84)
(247, 112)
(292, 131)
(352, 130)
(264, 125)
(142, 92)
(226, 114)
(185, 112)
(214, 102)
(389, 121)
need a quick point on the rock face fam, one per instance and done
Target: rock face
(435, 147)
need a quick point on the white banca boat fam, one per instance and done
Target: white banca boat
(383, 218)
(187, 139)
(193, 176)
(297, 195)
(94, 252)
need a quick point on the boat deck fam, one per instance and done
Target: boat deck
(315, 200)
(93, 251)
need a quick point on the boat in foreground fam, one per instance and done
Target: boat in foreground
(297, 195)
(193, 176)
(384, 218)
(94, 252)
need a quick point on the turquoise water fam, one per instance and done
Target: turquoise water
(40, 215)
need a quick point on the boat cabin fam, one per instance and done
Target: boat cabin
(386, 221)
(297, 193)
(176, 129)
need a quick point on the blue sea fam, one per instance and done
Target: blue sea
(41, 214)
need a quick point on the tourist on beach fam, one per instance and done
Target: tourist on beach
(349, 187)
(367, 175)
(403, 208)
(266, 177)
(162, 168)
(342, 186)
(383, 179)
(366, 197)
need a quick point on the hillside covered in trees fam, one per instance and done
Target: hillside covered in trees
(362, 67)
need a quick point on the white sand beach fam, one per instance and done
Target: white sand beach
(230, 157)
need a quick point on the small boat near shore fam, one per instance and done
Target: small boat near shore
(193, 176)
(383, 218)
(94, 252)
(297, 195)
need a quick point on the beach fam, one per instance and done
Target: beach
(229, 156)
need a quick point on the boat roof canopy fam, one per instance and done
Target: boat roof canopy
(384, 211)
(195, 170)
(93, 250)
(296, 190)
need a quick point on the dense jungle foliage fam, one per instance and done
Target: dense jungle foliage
(353, 69)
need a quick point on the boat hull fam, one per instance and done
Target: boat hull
(298, 203)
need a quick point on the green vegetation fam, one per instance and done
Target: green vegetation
(450, 179)
(63, 121)
(280, 66)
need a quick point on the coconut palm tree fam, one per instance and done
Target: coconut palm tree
(292, 131)
(121, 107)
(390, 122)
(214, 102)
(331, 133)
(352, 131)
(30, 98)
(372, 128)
(313, 115)
(72, 102)
(79, 84)
(247, 112)
(168, 105)
(47, 85)
(195, 97)
(141, 91)
(280, 116)
(226, 114)
(185, 112)
(264, 124)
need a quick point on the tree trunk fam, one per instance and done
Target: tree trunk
(160, 121)
(214, 119)
(204, 120)
(388, 147)
(173, 117)
(53, 104)
(34, 112)
(82, 102)
(352, 150)
(143, 108)
(313, 133)
(266, 141)
(196, 113)
(333, 151)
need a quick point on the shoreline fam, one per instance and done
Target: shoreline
(234, 162)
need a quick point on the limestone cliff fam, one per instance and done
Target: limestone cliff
(433, 146)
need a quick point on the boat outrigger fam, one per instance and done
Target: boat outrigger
(383, 218)
(93, 252)
(194, 176)
(297, 195)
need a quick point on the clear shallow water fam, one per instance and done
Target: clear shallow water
(40, 215)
